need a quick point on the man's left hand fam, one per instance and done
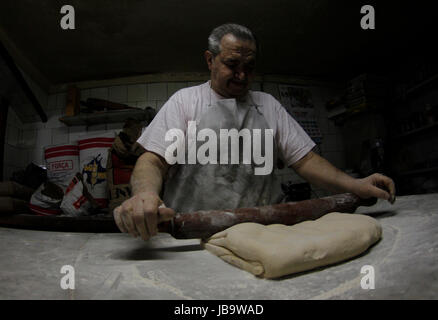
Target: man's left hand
(376, 185)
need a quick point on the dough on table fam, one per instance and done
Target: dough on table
(276, 250)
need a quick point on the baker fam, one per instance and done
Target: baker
(162, 187)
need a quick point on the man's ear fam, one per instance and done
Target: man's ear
(209, 58)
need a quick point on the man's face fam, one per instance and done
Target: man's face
(232, 70)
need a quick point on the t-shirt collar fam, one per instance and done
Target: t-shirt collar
(216, 96)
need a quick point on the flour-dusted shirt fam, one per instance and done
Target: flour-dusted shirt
(188, 104)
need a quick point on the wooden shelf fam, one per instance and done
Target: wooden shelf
(343, 115)
(421, 84)
(417, 171)
(418, 130)
(106, 117)
(413, 90)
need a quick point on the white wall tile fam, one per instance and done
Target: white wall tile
(322, 124)
(85, 94)
(19, 123)
(53, 121)
(99, 93)
(34, 125)
(173, 87)
(40, 95)
(37, 155)
(152, 104)
(332, 128)
(146, 104)
(340, 145)
(12, 135)
(329, 143)
(96, 127)
(137, 92)
(329, 156)
(22, 159)
(29, 138)
(194, 83)
(8, 170)
(60, 135)
(256, 86)
(29, 119)
(12, 117)
(52, 102)
(131, 104)
(141, 104)
(272, 89)
(159, 104)
(7, 174)
(115, 126)
(61, 100)
(44, 138)
(75, 137)
(95, 130)
(77, 129)
(117, 93)
(157, 91)
(30, 126)
(7, 132)
(76, 132)
(42, 98)
(10, 154)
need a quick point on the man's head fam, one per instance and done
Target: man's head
(231, 58)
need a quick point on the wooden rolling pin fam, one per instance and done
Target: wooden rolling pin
(203, 224)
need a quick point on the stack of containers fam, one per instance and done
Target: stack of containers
(93, 155)
(62, 162)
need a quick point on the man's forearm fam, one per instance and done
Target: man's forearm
(322, 173)
(148, 174)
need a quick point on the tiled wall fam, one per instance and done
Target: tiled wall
(332, 146)
(16, 155)
(26, 141)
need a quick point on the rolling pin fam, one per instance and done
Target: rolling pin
(205, 223)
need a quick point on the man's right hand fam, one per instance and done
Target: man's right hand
(140, 215)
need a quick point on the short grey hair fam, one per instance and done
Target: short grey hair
(237, 30)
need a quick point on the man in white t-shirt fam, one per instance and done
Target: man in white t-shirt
(214, 146)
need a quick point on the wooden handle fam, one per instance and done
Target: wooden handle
(205, 223)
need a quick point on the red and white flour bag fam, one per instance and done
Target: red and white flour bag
(93, 155)
(62, 163)
(76, 202)
(45, 201)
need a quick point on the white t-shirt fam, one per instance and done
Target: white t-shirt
(188, 104)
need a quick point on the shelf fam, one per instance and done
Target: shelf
(418, 130)
(107, 117)
(340, 116)
(414, 89)
(422, 84)
(417, 171)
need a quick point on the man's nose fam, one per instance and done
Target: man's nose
(240, 75)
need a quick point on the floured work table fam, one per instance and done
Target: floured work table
(117, 266)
